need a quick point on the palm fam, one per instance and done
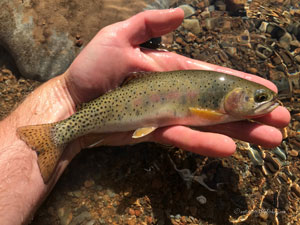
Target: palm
(115, 52)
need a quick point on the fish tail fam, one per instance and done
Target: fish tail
(40, 139)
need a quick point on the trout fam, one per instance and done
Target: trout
(148, 101)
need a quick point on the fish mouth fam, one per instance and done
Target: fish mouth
(265, 108)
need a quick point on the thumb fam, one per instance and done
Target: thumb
(152, 23)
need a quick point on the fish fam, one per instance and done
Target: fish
(148, 101)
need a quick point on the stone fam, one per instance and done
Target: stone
(235, 5)
(137, 212)
(293, 153)
(149, 220)
(110, 193)
(188, 10)
(44, 37)
(263, 52)
(167, 39)
(295, 12)
(252, 70)
(92, 222)
(297, 58)
(65, 216)
(192, 25)
(81, 217)
(89, 183)
(211, 23)
(131, 211)
(190, 37)
(285, 40)
(296, 189)
(220, 5)
(264, 215)
(232, 51)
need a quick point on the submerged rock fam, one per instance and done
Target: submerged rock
(44, 37)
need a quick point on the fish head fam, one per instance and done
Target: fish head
(250, 102)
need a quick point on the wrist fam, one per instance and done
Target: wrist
(48, 103)
(20, 181)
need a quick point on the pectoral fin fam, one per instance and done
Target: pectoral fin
(206, 113)
(141, 132)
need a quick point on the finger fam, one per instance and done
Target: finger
(279, 117)
(149, 24)
(203, 143)
(209, 144)
(263, 135)
(172, 61)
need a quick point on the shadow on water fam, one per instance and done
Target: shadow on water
(144, 174)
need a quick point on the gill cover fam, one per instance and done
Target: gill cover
(249, 102)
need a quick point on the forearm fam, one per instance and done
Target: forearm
(21, 185)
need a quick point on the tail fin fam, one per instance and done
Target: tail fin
(40, 139)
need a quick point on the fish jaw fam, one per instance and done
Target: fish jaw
(263, 110)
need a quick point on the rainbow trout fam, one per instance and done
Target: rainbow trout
(146, 102)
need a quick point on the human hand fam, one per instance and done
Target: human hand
(114, 53)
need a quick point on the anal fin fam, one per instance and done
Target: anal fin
(93, 140)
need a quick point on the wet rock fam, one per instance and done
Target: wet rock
(296, 189)
(232, 51)
(92, 222)
(295, 12)
(81, 217)
(111, 194)
(192, 25)
(252, 70)
(293, 153)
(297, 58)
(131, 211)
(190, 37)
(244, 38)
(137, 212)
(220, 5)
(167, 39)
(211, 8)
(201, 199)
(188, 10)
(205, 14)
(263, 52)
(42, 36)
(285, 40)
(210, 23)
(264, 215)
(65, 216)
(101, 221)
(235, 5)
(89, 183)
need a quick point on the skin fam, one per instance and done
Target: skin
(101, 66)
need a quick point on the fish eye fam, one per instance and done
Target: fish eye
(260, 96)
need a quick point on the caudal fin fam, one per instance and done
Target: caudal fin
(40, 139)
